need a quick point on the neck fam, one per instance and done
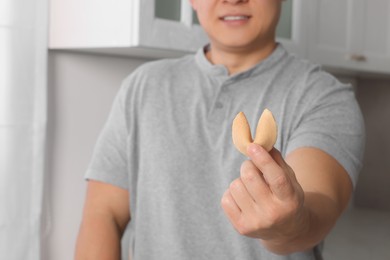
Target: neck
(238, 60)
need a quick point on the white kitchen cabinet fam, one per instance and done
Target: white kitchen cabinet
(350, 34)
(126, 27)
(146, 28)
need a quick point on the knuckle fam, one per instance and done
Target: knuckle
(281, 182)
(242, 227)
(248, 175)
(249, 225)
(248, 172)
(257, 224)
(225, 201)
(236, 185)
(246, 165)
(295, 205)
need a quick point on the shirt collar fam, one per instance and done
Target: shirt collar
(220, 71)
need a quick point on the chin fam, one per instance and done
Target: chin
(242, 45)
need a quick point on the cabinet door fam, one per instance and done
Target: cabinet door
(291, 28)
(169, 25)
(350, 34)
(125, 27)
(331, 35)
(375, 36)
(86, 24)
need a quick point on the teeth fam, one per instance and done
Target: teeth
(234, 18)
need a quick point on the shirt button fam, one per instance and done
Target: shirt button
(218, 105)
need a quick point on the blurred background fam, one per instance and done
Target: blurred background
(62, 62)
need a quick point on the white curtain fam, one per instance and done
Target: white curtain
(23, 73)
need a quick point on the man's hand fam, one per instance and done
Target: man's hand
(266, 202)
(288, 210)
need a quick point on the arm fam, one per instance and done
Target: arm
(106, 214)
(327, 188)
(290, 205)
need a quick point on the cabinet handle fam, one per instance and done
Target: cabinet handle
(357, 57)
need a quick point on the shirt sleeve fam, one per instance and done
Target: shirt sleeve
(331, 121)
(109, 159)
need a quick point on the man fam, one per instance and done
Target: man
(166, 154)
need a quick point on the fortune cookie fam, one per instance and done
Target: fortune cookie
(266, 132)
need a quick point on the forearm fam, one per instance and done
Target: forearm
(106, 214)
(99, 239)
(318, 216)
(327, 189)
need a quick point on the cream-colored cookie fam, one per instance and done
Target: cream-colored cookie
(241, 133)
(266, 132)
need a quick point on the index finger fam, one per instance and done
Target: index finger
(274, 174)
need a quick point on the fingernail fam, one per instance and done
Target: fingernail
(254, 148)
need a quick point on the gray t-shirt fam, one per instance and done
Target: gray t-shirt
(168, 141)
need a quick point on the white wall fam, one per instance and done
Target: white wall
(23, 74)
(81, 91)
